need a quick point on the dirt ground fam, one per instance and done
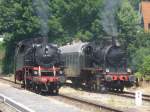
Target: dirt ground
(144, 88)
(116, 101)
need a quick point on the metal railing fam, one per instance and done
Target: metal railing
(18, 106)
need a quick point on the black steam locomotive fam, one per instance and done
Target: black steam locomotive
(38, 65)
(98, 65)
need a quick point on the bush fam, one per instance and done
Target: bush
(145, 66)
(138, 75)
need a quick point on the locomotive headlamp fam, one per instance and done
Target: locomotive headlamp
(129, 70)
(35, 72)
(61, 72)
(107, 70)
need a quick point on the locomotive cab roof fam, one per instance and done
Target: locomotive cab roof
(73, 48)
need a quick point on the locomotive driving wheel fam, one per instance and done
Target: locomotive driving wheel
(103, 88)
(36, 88)
(121, 88)
(28, 85)
(54, 91)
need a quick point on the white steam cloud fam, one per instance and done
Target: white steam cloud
(108, 16)
(41, 8)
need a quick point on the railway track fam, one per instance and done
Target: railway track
(131, 95)
(127, 94)
(100, 106)
(145, 97)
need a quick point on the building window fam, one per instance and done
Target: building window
(149, 26)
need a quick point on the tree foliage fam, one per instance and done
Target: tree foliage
(128, 22)
(141, 52)
(68, 20)
(136, 41)
(18, 19)
(145, 66)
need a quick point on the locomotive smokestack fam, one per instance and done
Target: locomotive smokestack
(45, 40)
(113, 41)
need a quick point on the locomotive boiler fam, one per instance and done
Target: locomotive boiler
(38, 65)
(98, 65)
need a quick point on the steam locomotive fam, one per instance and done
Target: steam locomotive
(38, 65)
(98, 65)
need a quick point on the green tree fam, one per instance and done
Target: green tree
(68, 20)
(65, 20)
(138, 57)
(145, 66)
(139, 49)
(18, 18)
(18, 21)
(135, 3)
(129, 29)
(128, 22)
(77, 17)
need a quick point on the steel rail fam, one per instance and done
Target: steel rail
(145, 97)
(102, 106)
(131, 95)
(98, 105)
